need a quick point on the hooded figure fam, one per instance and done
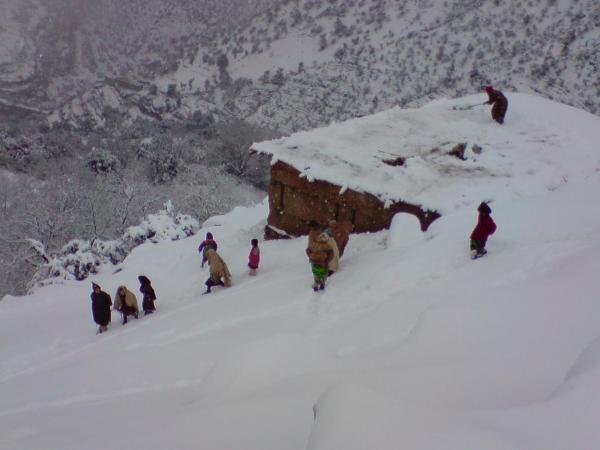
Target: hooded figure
(219, 272)
(101, 304)
(485, 228)
(148, 293)
(126, 303)
(320, 254)
(207, 243)
(500, 103)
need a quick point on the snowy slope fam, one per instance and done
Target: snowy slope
(412, 345)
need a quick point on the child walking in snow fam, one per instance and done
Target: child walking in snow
(334, 262)
(207, 243)
(484, 229)
(254, 257)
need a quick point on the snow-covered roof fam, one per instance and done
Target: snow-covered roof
(351, 154)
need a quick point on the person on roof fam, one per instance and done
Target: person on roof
(485, 228)
(499, 101)
(207, 243)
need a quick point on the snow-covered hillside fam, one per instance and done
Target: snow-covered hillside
(289, 64)
(412, 345)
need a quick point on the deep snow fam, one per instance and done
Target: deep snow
(412, 345)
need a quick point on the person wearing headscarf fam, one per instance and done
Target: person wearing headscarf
(149, 295)
(485, 228)
(126, 303)
(254, 257)
(207, 243)
(101, 304)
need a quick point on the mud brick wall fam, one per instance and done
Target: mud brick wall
(294, 201)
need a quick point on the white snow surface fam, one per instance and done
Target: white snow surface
(525, 151)
(412, 345)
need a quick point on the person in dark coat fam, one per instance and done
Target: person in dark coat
(148, 293)
(484, 228)
(101, 304)
(207, 243)
(500, 103)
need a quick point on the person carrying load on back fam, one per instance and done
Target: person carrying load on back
(219, 272)
(126, 303)
(320, 255)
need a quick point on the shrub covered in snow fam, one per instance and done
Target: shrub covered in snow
(102, 161)
(162, 226)
(80, 258)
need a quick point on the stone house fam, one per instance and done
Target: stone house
(294, 202)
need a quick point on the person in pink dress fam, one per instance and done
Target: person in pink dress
(254, 257)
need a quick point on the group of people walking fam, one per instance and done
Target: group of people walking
(219, 272)
(325, 247)
(125, 302)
